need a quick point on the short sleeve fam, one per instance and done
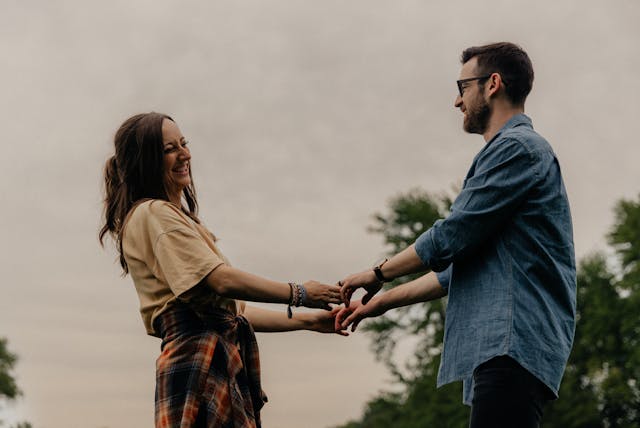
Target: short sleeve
(184, 259)
(166, 240)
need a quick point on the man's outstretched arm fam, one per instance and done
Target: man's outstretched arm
(403, 263)
(422, 289)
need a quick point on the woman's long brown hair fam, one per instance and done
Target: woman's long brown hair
(135, 173)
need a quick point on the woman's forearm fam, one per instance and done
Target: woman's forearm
(234, 283)
(264, 320)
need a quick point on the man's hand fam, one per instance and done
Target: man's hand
(352, 315)
(366, 280)
(422, 289)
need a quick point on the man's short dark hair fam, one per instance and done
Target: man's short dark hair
(508, 60)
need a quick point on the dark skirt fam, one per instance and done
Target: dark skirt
(208, 372)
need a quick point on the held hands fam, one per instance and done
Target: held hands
(313, 294)
(325, 322)
(338, 319)
(356, 312)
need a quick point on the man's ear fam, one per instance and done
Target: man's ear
(494, 85)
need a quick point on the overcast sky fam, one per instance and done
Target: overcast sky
(304, 118)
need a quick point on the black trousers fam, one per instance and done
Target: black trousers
(505, 395)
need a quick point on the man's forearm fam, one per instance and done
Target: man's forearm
(403, 263)
(422, 289)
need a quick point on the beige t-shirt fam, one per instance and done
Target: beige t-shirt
(168, 254)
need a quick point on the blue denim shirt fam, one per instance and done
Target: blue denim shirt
(505, 255)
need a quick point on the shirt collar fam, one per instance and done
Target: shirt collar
(516, 120)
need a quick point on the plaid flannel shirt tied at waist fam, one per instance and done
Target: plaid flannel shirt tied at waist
(207, 363)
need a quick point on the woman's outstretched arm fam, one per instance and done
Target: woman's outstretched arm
(264, 320)
(234, 283)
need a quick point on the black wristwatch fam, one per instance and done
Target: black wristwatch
(378, 272)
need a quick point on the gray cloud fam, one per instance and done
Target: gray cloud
(305, 118)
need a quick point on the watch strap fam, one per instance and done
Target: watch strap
(378, 272)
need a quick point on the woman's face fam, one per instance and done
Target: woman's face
(176, 160)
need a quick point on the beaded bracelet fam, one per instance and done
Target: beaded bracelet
(292, 298)
(298, 297)
(291, 294)
(303, 295)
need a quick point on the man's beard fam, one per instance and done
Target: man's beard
(477, 119)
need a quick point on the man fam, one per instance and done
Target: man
(504, 256)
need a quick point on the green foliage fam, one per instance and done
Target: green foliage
(411, 214)
(625, 239)
(22, 425)
(419, 404)
(578, 402)
(601, 385)
(8, 387)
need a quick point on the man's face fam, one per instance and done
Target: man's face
(472, 102)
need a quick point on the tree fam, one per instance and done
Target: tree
(411, 214)
(601, 385)
(420, 403)
(8, 387)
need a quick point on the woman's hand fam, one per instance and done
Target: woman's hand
(324, 322)
(320, 295)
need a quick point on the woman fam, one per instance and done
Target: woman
(208, 372)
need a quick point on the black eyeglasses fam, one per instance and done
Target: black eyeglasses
(470, 79)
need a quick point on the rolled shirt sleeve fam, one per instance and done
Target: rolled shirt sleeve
(499, 179)
(444, 278)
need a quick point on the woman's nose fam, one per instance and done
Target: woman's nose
(185, 153)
